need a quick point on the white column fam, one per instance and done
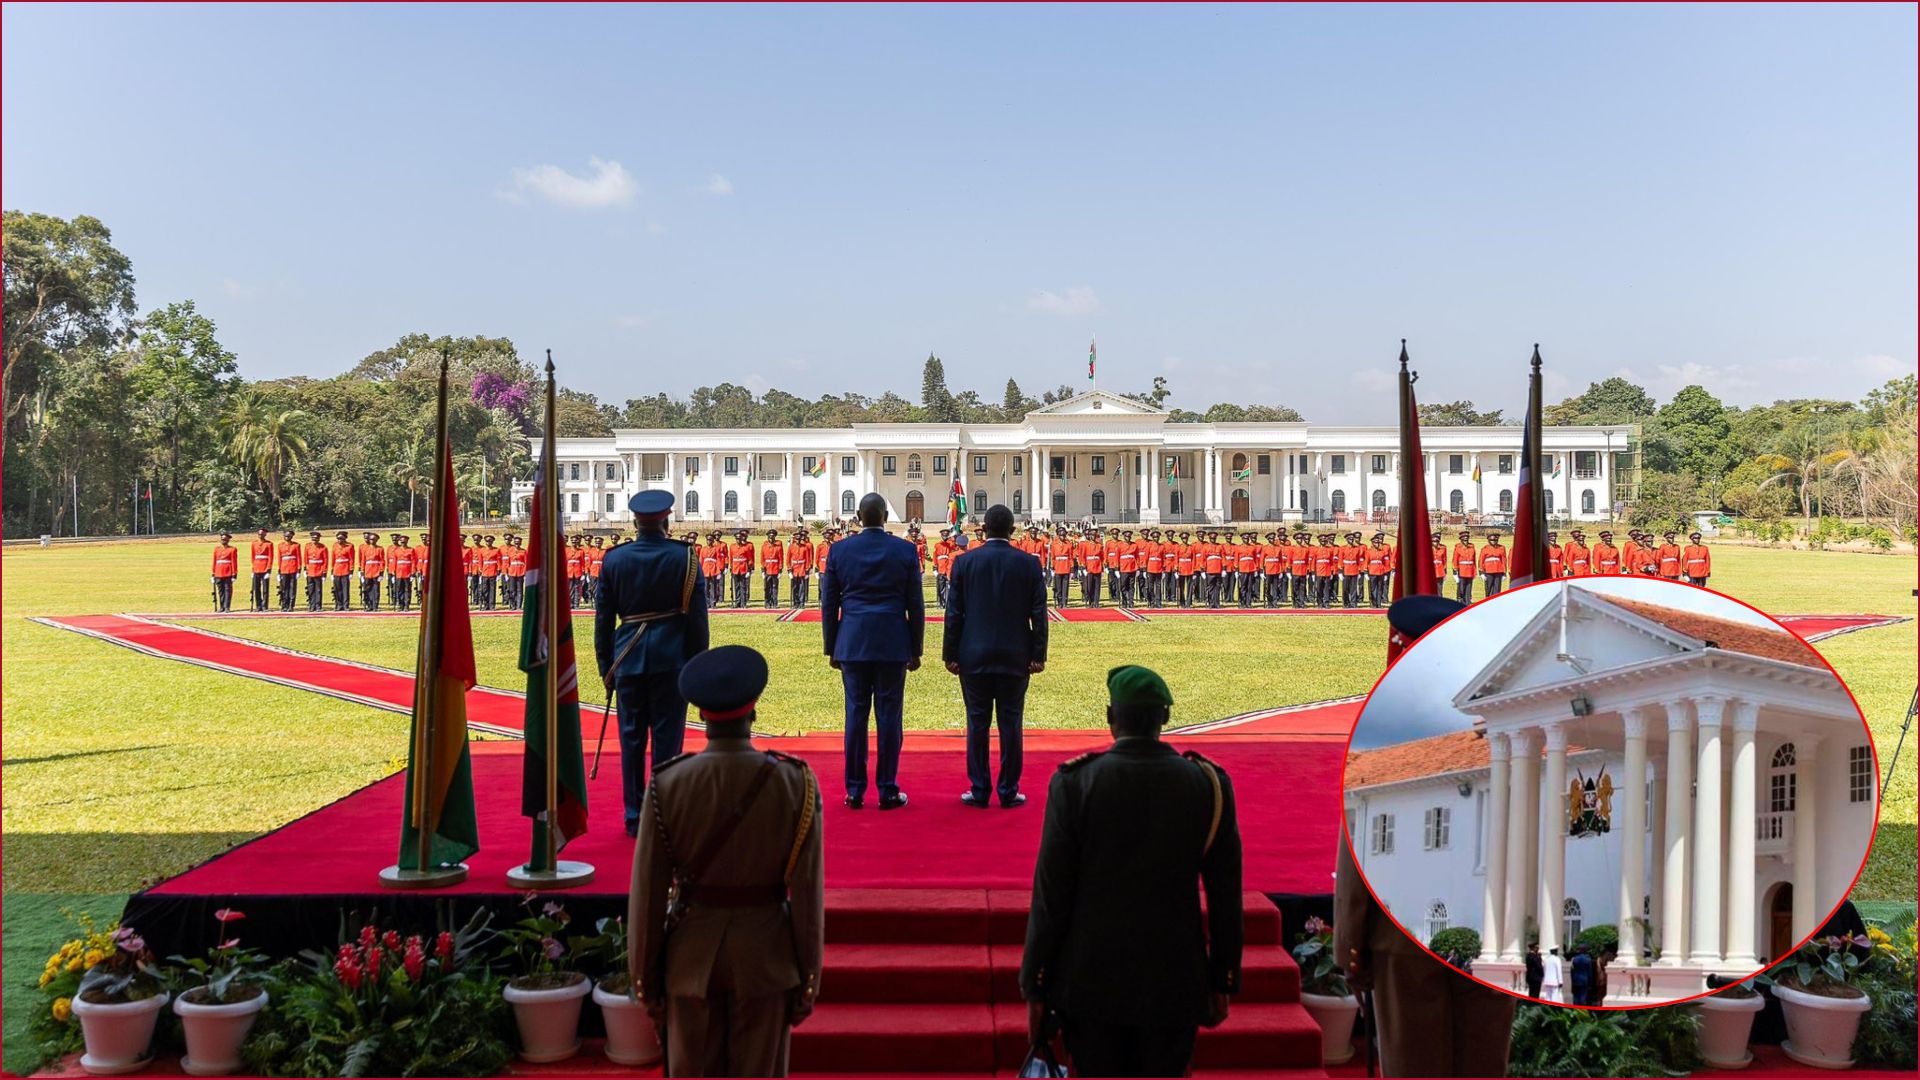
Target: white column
(1806, 802)
(714, 505)
(1633, 835)
(1553, 854)
(1493, 942)
(1707, 834)
(1657, 846)
(1673, 906)
(1523, 800)
(1742, 864)
(1154, 479)
(1038, 468)
(673, 482)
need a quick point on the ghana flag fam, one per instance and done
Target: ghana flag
(542, 662)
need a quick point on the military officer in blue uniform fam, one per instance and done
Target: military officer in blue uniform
(649, 619)
(1116, 943)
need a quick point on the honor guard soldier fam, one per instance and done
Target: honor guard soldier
(260, 557)
(799, 558)
(1630, 553)
(1669, 554)
(943, 552)
(1091, 554)
(1556, 559)
(1246, 563)
(773, 559)
(1696, 560)
(1186, 567)
(728, 907)
(1326, 571)
(1300, 567)
(400, 573)
(1109, 540)
(226, 563)
(1493, 565)
(513, 569)
(576, 570)
(713, 567)
(314, 558)
(1605, 558)
(1466, 563)
(1576, 555)
(1117, 945)
(489, 558)
(1214, 558)
(740, 567)
(1353, 563)
(1379, 565)
(1439, 562)
(1060, 557)
(422, 554)
(340, 561)
(1433, 1020)
(1273, 565)
(1126, 568)
(287, 554)
(373, 567)
(470, 566)
(649, 620)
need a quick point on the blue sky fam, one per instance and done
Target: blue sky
(1257, 203)
(1415, 698)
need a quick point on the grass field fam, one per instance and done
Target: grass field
(121, 769)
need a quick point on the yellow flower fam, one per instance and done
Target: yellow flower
(62, 1009)
(46, 977)
(74, 965)
(93, 957)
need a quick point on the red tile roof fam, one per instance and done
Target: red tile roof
(1452, 752)
(1721, 633)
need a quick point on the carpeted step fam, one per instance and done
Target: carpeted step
(921, 916)
(895, 973)
(1267, 974)
(862, 1037)
(1268, 1038)
(1008, 919)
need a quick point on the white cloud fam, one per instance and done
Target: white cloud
(1728, 382)
(1374, 380)
(655, 228)
(632, 320)
(606, 184)
(756, 384)
(236, 289)
(717, 185)
(1077, 301)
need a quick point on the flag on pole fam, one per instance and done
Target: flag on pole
(1413, 576)
(1091, 352)
(1173, 471)
(1529, 558)
(956, 504)
(1556, 466)
(1476, 472)
(549, 670)
(819, 466)
(1242, 476)
(438, 824)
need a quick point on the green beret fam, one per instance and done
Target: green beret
(1133, 685)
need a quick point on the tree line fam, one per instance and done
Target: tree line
(117, 422)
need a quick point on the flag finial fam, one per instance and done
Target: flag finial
(1403, 354)
(549, 363)
(1536, 356)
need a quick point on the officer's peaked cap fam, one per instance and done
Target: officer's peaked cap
(1413, 616)
(724, 682)
(651, 503)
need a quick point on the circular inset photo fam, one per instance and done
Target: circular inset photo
(1613, 793)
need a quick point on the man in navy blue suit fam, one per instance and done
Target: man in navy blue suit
(649, 619)
(875, 622)
(995, 640)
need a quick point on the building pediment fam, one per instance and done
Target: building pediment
(1598, 636)
(1098, 403)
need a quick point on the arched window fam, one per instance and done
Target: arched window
(1506, 502)
(1380, 502)
(913, 465)
(1016, 502)
(1549, 502)
(1099, 502)
(770, 504)
(1457, 503)
(809, 503)
(1570, 929)
(1060, 502)
(846, 502)
(1239, 463)
(733, 502)
(1586, 502)
(1339, 502)
(1783, 781)
(693, 502)
(1436, 918)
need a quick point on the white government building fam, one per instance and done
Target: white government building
(1097, 455)
(1732, 797)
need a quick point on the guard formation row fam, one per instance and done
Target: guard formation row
(1211, 567)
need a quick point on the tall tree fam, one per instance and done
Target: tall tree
(1693, 437)
(264, 441)
(66, 285)
(1013, 403)
(1458, 414)
(1610, 401)
(935, 400)
(180, 382)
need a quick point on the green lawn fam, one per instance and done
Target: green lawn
(122, 769)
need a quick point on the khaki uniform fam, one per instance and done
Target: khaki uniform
(1432, 1020)
(750, 939)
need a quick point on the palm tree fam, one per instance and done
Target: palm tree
(263, 441)
(411, 470)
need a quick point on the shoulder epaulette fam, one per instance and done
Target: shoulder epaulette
(785, 759)
(1073, 763)
(1198, 758)
(662, 766)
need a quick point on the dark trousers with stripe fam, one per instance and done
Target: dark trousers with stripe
(289, 586)
(802, 590)
(649, 704)
(1495, 583)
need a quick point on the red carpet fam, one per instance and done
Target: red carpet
(1820, 627)
(1327, 718)
(1100, 614)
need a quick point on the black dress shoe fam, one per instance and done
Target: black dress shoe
(854, 802)
(894, 802)
(633, 832)
(1017, 800)
(969, 798)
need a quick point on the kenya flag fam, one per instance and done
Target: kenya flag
(536, 656)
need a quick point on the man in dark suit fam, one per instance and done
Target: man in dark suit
(1536, 969)
(995, 640)
(875, 622)
(1116, 944)
(649, 619)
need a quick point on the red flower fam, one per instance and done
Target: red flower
(415, 960)
(391, 939)
(368, 935)
(443, 947)
(227, 915)
(347, 968)
(373, 963)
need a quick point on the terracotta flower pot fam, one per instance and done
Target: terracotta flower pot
(117, 1034)
(1335, 1016)
(1726, 1024)
(548, 1019)
(1820, 1030)
(631, 1037)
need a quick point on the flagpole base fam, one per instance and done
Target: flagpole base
(564, 875)
(437, 877)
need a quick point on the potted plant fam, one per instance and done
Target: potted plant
(1323, 991)
(1726, 1025)
(54, 1030)
(632, 1037)
(546, 992)
(1822, 1006)
(217, 1014)
(118, 1003)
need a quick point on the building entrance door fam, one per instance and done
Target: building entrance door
(1241, 508)
(1780, 922)
(916, 506)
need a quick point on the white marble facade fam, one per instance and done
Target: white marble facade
(1098, 455)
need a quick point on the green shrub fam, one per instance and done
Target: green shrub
(1598, 939)
(1890, 1032)
(1880, 539)
(1456, 941)
(1555, 1041)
